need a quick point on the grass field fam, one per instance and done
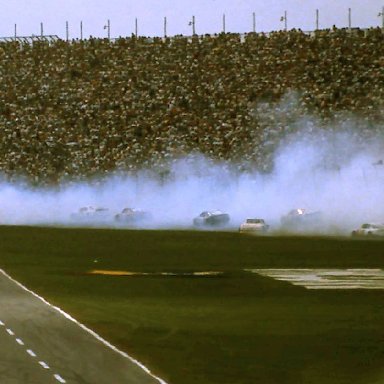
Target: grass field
(236, 327)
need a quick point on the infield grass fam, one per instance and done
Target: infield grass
(233, 328)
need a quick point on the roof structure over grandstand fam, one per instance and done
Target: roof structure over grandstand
(30, 39)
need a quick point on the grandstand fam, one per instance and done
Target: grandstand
(74, 110)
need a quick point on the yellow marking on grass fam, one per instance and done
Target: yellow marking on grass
(130, 273)
(115, 273)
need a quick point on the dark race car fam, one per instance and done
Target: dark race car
(91, 215)
(132, 216)
(302, 220)
(211, 219)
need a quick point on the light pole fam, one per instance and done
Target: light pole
(382, 17)
(108, 28)
(254, 22)
(317, 19)
(193, 25)
(223, 22)
(284, 18)
(165, 27)
(349, 18)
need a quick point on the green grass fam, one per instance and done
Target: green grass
(235, 328)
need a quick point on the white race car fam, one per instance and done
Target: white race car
(254, 226)
(369, 229)
(301, 219)
(91, 214)
(211, 219)
(132, 216)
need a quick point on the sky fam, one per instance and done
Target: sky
(29, 14)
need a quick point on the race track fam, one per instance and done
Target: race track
(39, 344)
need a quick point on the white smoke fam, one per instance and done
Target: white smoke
(336, 171)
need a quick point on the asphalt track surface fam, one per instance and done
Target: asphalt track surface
(40, 344)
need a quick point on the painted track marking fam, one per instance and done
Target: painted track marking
(19, 341)
(44, 364)
(31, 353)
(10, 331)
(59, 378)
(316, 278)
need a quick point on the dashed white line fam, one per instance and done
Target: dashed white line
(82, 326)
(44, 364)
(31, 353)
(59, 378)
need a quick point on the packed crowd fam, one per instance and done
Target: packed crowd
(82, 109)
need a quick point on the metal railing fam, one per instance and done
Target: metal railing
(50, 39)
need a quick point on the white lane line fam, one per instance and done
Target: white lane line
(59, 378)
(10, 331)
(19, 341)
(30, 352)
(44, 364)
(1, 323)
(82, 326)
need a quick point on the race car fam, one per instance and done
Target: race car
(301, 219)
(369, 229)
(211, 219)
(132, 216)
(254, 226)
(91, 214)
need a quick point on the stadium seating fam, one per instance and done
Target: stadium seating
(85, 109)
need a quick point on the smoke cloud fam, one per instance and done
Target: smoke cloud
(337, 170)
